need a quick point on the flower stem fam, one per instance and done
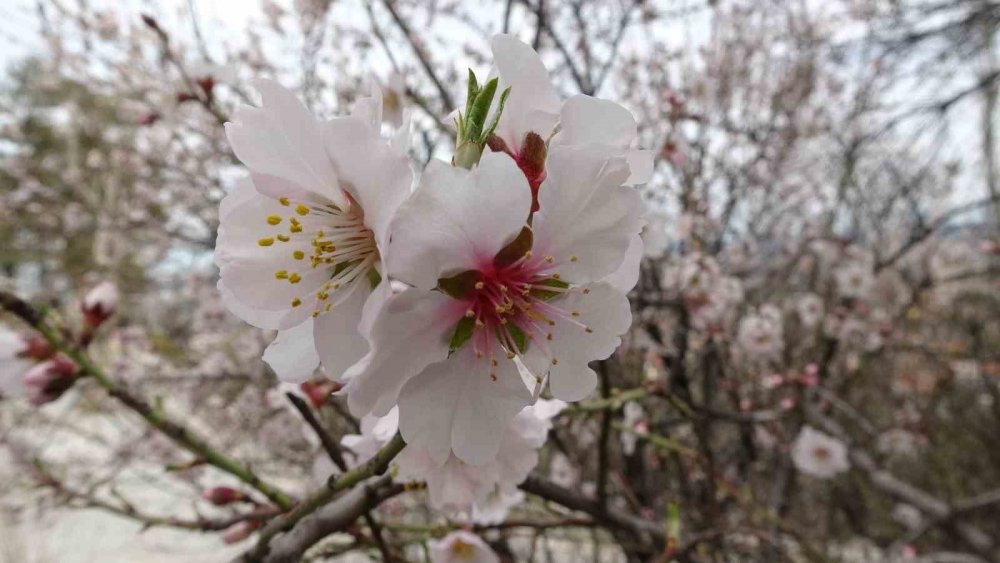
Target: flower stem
(155, 417)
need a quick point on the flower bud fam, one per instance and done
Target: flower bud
(240, 531)
(100, 303)
(319, 391)
(221, 496)
(531, 161)
(47, 381)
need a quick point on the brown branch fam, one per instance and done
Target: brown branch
(422, 55)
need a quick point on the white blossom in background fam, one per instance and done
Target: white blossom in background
(446, 347)
(809, 308)
(818, 454)
(854, 280)
(14, 362)
(635, 418)
(460, 546)
(760, 336)
(301, 241)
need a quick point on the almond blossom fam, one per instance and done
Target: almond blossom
(302, 239)
(482, 492)
(819, 454)
(100, 303)
(489, 292)
(461, 547)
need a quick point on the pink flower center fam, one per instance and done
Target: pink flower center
(511, 306)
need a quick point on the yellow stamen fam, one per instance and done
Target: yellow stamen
(266, 241)
(294, 278)
(301, 209)
(273, 219)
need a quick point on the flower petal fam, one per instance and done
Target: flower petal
(606, 311)
(410, 331)
(592, 122)
(586, 212)
(377, 176)
(282, 139)
(627, 275)
(533, 104)
(338, 338)
(292, 355)
(458, 220)
(455, 405)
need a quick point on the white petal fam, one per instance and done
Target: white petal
(458, 220)
(592, 122)
(260, 318)
(339, 341)
(411, 330)
(586, 212)
(627, 275)
(606, 311)
(589, 121)
(532, 104)
(248, 269)
(377, 176)
(242, 191)
(292, 355)
(455, 405)
(281, 139)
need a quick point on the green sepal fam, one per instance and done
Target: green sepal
(515, 249)
(519, 337)
(479, 110)
(459, 286)
(496, 117)
(463, 332)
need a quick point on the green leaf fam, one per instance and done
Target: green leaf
(463, 332)
(496, 117)
(459, 286)
(480, 109)
(470, 97)
(515, 249)
(538, 291)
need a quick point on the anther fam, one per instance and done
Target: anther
(469, 313)
(283, 238)
(273, 219)
(283, 201)
(281, 274)
(480, 285)
(294, 278)
(493, 377)
(573, 258)
(301, 209)
(266, 241)
(298, 255)
(555, 361)
(588, 330)
(296, 302)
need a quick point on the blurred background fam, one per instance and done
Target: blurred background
(821, 250)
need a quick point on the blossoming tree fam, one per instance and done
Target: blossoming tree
(476, 283)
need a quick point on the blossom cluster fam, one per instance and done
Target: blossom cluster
(448, 301)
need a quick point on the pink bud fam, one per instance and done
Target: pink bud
(221, 496)
(240, 531)
(319, 391)
(531, 161)
(100, 303)
(47, 381)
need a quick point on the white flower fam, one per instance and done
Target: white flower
(488, 489)
(854, 280)
(487, 290)
(461, 547)
(810, 309)
(301, 242)
(760, 336)
(818, 454)
(375, 432)
(533, 124)
(13, 363)
(635, 418)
